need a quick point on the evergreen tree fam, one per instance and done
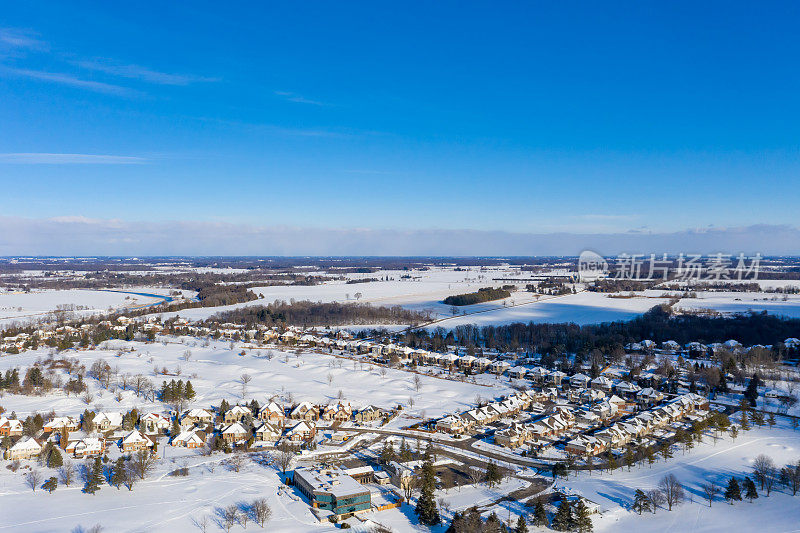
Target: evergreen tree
(492, 474)
(522, 526)
(559, 469)
(405, 451)
(426, 509)
(539, 515)
(750, 489)
(54, 459)
(50, 485)
(733, 493)
(387, 453)
(751, 393)
(745, 422)
(641, 503)
(582, 520)
(562, 521)
(95, 477)
(119, 473)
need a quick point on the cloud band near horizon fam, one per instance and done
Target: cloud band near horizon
(78, 235)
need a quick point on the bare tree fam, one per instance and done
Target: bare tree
(475, 475)
(67, 473)
(383, 372)
(261, 511)
(330, 378)
(672, 490)
(245, 379)
(444, 505)
(33, 479)
(417, 382)
(284, 457)
(236, 461)
(791, 477)
(410, 402)
(230, 515)
(764, 472)
(201, 523)
(656, 498)
(187, 355)
(143, 463)
(710, 490)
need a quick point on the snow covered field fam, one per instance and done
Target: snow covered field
(780, 512)
(740, 302)
(215, 372)
(161, 503)
(24, 307)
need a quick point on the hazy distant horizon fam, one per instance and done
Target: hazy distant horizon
(94, 237)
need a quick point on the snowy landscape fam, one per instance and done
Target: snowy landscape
(135, 348)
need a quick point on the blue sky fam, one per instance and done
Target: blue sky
(518, 117)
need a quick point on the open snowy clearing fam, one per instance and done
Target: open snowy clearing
(26, 307)
(707, 462)
(215, 372)
(161, 503)
(739, 302)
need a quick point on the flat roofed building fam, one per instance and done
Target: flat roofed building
(333, 490)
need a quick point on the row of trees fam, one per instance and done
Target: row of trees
(307, 313)
(485, 294)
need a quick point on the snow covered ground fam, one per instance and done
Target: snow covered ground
(581, 308)
(161, 503)
(741, 302)
(215, 372)
(779, 512)
(24, 307)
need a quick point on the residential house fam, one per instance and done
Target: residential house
(152, 423)
(10, 427)
(451, 424)
(337, 411)
(189, 438)
(25, 448)
(302, 431)
(305, 411)
(62, 422)
(266, 432)
(86, 447)
(107, 421)
(237, 413)
(134, 441)
(194, 417)
(274, 414)
(368, 414)
(235, 432)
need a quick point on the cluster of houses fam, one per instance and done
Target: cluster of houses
(571, 404)
(237, 426)
(65, 431)
(639, 425)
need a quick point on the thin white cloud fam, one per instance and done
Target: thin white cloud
(293, 97)
(70, 80)
(40, 158)
(138, 72)
(18, 38)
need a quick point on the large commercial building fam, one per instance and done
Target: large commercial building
(332, 490)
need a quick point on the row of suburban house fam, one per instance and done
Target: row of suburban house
(639, 425)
